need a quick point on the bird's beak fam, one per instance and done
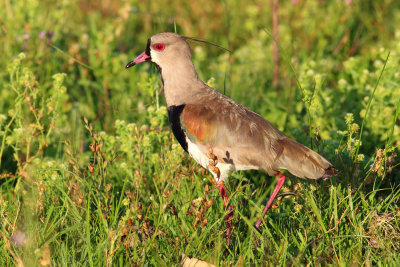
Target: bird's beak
(139, 59)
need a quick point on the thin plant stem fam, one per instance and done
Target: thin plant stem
(369, 106)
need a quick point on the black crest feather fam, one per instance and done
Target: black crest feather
(206, 42)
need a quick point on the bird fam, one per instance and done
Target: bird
(220, 134)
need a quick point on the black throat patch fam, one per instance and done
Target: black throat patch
(174, 114)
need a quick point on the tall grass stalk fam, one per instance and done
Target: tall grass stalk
(369, 106)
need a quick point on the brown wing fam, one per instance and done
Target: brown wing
(241, 137)
(236, 134)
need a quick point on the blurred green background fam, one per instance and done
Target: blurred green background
(327, 42)
(64, 91)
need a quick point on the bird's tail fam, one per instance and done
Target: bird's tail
(303, 162)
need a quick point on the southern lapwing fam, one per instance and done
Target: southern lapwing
(220, 134)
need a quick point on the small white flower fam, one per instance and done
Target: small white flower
(125, 202)
(50, 163)
(2, 118)
(123, 165)
(342, 83)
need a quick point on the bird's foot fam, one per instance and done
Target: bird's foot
(256, 240)
(257, 227)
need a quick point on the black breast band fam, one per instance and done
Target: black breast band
(174, 113)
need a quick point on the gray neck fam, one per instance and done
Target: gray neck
(180, 83)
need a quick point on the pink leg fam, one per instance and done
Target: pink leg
(281, 179)
(229, 216)
(223, 193)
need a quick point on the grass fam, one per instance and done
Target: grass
(90, 173)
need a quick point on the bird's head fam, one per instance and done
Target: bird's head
(163, 50)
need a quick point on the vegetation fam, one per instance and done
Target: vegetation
(90, 173)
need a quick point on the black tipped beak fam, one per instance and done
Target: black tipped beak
(130, 64)
(143, 57)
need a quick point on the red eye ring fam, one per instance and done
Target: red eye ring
(159, 47)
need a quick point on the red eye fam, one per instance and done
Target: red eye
(159, 47)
